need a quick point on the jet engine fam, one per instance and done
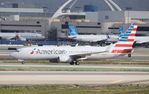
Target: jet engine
(65, 59)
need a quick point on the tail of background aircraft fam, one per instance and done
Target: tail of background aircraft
(121, 31)
(72, 30)
(126, 41)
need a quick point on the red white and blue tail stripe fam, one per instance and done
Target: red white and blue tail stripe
(126, 41)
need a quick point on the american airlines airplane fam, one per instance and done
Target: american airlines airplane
(72, 55)
(21, 36)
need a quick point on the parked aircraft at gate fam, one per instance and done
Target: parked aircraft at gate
(21, 36)
(73, 54)
(139, 39)
(73, 34)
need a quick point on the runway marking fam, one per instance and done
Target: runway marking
(117, 81)
(38, 77)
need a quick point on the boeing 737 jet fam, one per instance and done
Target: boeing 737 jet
(21, 36)
(73, 34)
(73, 54)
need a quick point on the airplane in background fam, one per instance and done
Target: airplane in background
(104, 38)
(139, 39)
(125, 40)
(73, 34)
(21, 36)
(101, 39)
(72, 55)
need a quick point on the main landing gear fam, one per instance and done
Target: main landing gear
(74, 62)
(22, 61)
(129, 55)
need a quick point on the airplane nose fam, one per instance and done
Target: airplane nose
(14, 54)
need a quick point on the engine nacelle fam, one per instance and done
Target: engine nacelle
(65, 59)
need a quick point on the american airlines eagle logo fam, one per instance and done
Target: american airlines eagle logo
(53, 51)
(33, 51)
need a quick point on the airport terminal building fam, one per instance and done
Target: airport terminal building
(88, 19)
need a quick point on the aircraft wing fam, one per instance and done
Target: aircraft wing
(16, 38)
(82, 55)
(22, 38)
(8, 37)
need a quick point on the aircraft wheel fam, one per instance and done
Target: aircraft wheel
(72, 63)
(77, 63)
(129, 55)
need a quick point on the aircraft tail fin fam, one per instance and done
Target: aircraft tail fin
(72, 30)
(121, 29)
(126, 41)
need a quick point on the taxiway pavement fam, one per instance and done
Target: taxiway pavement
(65, 77)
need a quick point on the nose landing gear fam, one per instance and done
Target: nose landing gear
(75, 62)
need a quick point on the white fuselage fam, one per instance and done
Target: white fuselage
(138, 39)
(110, 38)
(105, 55)
(142, 39)
(55, 52)
(89, 38)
